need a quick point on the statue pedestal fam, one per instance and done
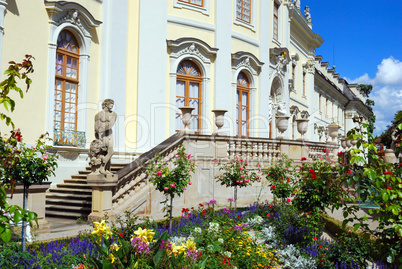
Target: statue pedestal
(102, 194)
(389, 156)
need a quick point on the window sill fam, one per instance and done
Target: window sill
(204, 10)
(244, 24)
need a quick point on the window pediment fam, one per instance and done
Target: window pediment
(191, 46)
(60, 12)
(247, 60)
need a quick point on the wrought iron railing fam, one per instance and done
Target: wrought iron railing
(69, 138)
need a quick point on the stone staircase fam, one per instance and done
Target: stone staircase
(73, 198)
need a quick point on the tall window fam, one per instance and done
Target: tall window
(66, 88)
(319, 103)
(199, 3)
(293, 75)
(243, 105)
(304, 84)
(188, 93)
(243, 10)
(276, 20)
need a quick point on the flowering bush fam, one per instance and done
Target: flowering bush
(280, 176)
(172, 180)
(237, 174)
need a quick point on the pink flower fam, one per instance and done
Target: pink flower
(240, 168)
(158, 173)
(247, 180)
(315, 238)
(246, 164)
(44, 157)
(237, 181)
(184, 189)
(190, 183)
(166, 188)
(288, 200)
(242, 176)
(189, 156)
(241, 181)
(172, 185)
(241, 160)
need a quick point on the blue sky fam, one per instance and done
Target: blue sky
(363, 39)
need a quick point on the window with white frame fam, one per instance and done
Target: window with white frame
(243, 105)
(243, 10)
(276, 21)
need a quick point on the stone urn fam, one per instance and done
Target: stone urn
(348, 143)
(186, 118)
(219, 120)
(389, 156)
(282, 124)
(333, 132)
(343, 143)
(302, 126)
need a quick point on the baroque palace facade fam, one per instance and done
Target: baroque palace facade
(253, 58)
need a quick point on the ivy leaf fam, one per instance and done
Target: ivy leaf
(384, 195)
(6, 235)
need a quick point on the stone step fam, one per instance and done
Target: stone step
(71, 191)
(76, 181)
(63, 196)
(69, 202)
(74, 186)
(80, 176)
(61, 213)
(70, 208)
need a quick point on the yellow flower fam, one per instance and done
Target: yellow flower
(177, 249)
(114, 247)
(102, 229)
(112, 257)
(189, 245)
(146, 235)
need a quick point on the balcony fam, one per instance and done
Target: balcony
(69, 138)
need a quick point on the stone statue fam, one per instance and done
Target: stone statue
(307, 14)
(394, 137)
(104, 122)
(281, 110)
(97, 157)
(296, 3)
(270, 108)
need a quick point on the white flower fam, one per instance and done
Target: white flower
(227, 253)
(213, 227)
(220, 240)
(197, 230)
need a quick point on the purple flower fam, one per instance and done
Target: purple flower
(192, 255)
(140, 245)
(226, 210)
(212, 202)
(230, 200)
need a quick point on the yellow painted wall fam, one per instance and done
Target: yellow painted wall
(32, 38)
(186, 13)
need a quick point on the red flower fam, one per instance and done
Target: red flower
(271, 206)
(158, 173)
(268, 215)
(17, 134)
(319, 246)
(313, 176)
(325, 150)
(387, 172)
(121, 235)
(340, 153)
(273, 187)
(201, 205)
(203, 212)
(311, 171)
(239, 217)
(303, 159)
(349, 171)
(288, 200)
(388, 187)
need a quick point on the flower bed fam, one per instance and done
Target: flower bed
(270, 235)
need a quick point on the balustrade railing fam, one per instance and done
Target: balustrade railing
(69, 138)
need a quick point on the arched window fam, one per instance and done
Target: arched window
(188, 93)
(66, 86)
(243, 105)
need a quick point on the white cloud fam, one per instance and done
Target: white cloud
(389, 72)
(387, 91)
